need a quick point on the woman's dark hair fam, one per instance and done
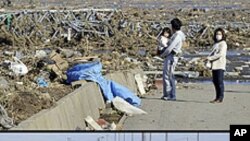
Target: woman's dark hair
(176, 24)
(223, 35)
(166, 29)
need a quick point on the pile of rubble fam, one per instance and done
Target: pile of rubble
(38, 46)
(26, 88)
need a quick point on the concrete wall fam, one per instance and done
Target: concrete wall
(126, 79)
(70, 111)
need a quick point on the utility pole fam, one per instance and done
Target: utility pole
(150, 137)
(166, 136)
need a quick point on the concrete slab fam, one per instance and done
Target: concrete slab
(125, 78)
(70, 111)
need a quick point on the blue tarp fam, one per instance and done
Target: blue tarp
(92, 71)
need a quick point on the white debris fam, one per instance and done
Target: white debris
(127, 108)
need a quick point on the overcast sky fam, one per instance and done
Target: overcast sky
(110, 137)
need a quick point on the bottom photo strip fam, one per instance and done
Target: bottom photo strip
(134, 136)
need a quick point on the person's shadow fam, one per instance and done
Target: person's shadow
(238, 91)
(178, 100)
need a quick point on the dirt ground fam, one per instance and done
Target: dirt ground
(22, 103)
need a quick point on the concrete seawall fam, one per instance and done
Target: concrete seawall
(70, 111)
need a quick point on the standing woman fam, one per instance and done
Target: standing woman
(218, 60)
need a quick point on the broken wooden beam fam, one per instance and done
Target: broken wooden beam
(92, 123)
(139, 83)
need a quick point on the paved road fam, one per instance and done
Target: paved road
(193, 111)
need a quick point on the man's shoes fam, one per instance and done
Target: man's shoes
(216, 101)
(164, 98)
(168, 99)
(171, 99)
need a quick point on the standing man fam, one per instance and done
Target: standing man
(171, 55)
